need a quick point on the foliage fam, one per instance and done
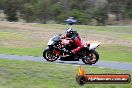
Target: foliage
(58, 10)
(27, 13)
(10, 9)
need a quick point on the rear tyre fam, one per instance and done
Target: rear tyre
(49, 55)
(91, 58)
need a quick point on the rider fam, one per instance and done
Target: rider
(75, 39)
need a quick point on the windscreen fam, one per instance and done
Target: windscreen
(56, 38)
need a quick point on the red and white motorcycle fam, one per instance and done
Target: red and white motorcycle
(57, 46)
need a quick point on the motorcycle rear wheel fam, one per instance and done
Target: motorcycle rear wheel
(49, 55)
(92, 58)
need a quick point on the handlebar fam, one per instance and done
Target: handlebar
(68, 38)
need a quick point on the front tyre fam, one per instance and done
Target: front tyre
(91, 57)
(49, 55)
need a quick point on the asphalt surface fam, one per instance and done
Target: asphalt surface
(101, 64)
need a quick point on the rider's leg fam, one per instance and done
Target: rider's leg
(74, 51)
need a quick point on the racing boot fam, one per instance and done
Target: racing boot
(68, 52)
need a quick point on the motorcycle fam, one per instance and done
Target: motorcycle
(57, 47)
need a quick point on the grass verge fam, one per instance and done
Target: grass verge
(115, 53)
(22, 51)
(31, 40)
(106, 52)
(28, 74)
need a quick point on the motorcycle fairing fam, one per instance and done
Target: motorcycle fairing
(93, 45)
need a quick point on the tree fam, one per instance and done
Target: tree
(27, 12)
(56, 10)
(100, 15)
(98, 10)
(2, 4)
(43, 10)
(129, 8)
(117, 7)
(10, 9)
(81, 16)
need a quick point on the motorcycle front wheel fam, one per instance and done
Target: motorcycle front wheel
(91, 57)
(49, 55)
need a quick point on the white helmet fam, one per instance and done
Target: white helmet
(68, 30)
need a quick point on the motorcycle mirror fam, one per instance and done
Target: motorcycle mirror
(60, 34)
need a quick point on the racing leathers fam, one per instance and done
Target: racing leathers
(76, 40)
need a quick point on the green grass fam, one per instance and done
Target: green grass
(115, 53)
(27, 74)
(119, 32)
(106, 52)
(22, 51)
(14, 40)
(127, 36)
(120, 29)
(11, 36)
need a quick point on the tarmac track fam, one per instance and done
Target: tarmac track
(101, 64)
